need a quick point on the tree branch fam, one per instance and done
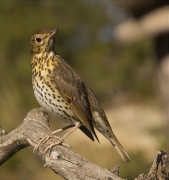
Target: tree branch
(62, 159)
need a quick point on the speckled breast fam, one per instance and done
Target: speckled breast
(50, 99)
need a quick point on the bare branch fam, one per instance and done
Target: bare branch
(160, 166)
(62, 159)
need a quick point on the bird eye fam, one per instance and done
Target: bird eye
(38, 40)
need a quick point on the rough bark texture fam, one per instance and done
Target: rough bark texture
(61, 158)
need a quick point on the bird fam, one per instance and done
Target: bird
(63, 94)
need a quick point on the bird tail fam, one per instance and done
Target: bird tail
(114, 141)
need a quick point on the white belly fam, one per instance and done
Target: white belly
(54, 104)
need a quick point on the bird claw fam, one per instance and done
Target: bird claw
(60, 141)
(43, 140)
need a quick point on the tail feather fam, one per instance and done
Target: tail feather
(87, 132)
(114, 141)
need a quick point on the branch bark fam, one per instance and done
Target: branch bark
(62, 159)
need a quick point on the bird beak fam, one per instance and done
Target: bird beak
(53, 32)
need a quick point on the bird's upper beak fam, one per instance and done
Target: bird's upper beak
(53, 32)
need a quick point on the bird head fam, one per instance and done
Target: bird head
(43, 40)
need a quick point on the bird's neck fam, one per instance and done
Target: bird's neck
(41, 58)
(43, 55)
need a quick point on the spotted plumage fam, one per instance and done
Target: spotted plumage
(63, 94)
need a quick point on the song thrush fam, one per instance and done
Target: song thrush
(63, 94)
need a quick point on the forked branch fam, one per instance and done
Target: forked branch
(62, 159)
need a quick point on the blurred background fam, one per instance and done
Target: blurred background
(120, 48)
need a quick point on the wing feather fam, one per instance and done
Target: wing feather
(73, 90)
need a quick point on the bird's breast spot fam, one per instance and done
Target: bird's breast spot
(57, 107)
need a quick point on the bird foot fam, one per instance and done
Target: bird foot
(43, 140)
(60, 141)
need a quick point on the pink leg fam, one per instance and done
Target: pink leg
(50, 135)
(62, 129)
(71, 131)
(62, 138)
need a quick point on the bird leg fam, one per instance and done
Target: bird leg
(43, 140)
(62, 138)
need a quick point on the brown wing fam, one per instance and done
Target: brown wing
(73, 90)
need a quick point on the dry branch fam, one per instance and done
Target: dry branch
(62, 159)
